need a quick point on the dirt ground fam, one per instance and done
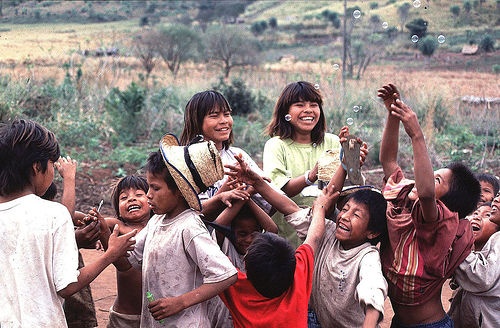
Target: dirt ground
(104, 292)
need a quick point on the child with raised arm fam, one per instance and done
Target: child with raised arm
(428, 236)
(39, 255)
(182, 266)
(208, 114)
(298, 138)
(349, 289)
(477, 303)
(235, 229)
(132, 212)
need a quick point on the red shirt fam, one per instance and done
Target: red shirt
(420, 255)
(250, 309)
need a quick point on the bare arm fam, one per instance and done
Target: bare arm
(244, 174)
(371, 317)
(265, 221)
(390, 138)
(322, 204)
(118, 246)
(165, 307)
(67, 169)
(424, 174)
(295, 185)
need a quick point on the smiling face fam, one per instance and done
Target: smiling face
(217, 126)
(495, 209)
(487, 192)
(304, 117)
(352, 225)
(482, 227)
(244, 230)
(133, 205)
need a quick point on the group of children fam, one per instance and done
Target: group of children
(194, 244)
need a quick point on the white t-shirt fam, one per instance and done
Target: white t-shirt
(178, 255)
(38, 257)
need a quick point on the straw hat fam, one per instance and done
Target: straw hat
(194, 167)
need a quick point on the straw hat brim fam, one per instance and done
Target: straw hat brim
(206, 161)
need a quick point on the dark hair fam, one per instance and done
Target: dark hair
(491, 179)
(270, 264)
(51, 192)
(125, 183)
(291, 94)
(377, 207)
(156, 165)
(23, 143)
(245, 213)
(199, 106)
(464, 191)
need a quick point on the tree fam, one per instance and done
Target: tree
(427, 46)
(403, 13)
(487, 43)
(455, 10)
(332, 17)
(417, 27)
(176, 45)
(213, 10)
(145, 46)
(228, 47)
(273, 22)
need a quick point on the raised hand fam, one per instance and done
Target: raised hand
(119, 245)
(408, 117)
(242, 172)
(389, 93)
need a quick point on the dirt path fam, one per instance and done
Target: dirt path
(104, 292)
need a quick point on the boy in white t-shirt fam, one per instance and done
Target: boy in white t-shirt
(182, 266)
(39, 255)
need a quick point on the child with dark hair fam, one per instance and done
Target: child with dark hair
(428, 237)
(39, 254)
(132, 212)
(208, 114)
(489, 186)
(182, 266)
(348, 286)
(298, 138)
(275, 290)
(476, 302)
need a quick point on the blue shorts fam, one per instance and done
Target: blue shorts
(312, 320)
(446, 322)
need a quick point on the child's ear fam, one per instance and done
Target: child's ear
(372, 234)
(37, 167)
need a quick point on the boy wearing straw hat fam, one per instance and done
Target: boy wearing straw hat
(181, 265)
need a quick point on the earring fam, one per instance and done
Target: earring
(288, 117)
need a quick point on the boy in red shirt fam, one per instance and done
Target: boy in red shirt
(428, 237)
(277, 285)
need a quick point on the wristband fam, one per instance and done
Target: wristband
(306, 178)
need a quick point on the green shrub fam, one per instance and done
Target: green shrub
(487, 43)
(496, 68)
(240, 98)
(123, 109)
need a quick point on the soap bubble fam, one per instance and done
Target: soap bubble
(316, 86)
(441, 38)
(356, 14)
(356, 108)
(414, 38)
(417, 3)
(350, 121)
(385, 25)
